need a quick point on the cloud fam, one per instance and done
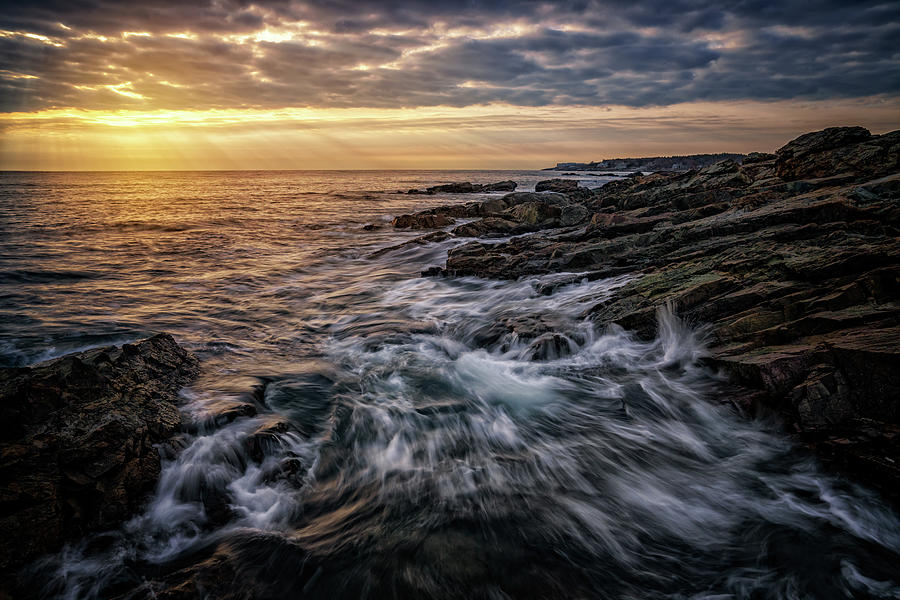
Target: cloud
(269, 54)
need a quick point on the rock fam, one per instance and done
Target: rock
(569, 187)
(422, 221)
(839, 150)
(429, 238)
(78, 437)
(791, 262)
(820, 141)
(546, 197)
(466, 187)
(556, 185)
(533, 213)
(489, 226)
(573, 214)
(500, 186)
(757, 157)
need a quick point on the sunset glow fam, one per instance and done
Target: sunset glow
(299, 86)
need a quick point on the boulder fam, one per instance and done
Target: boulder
(546, 197)
(78, 436)
(466, 187)
(757, 157)
(556, 185)
(533, 213)
(463, 187)
(500, 186)
(489, 226)
(422, 221)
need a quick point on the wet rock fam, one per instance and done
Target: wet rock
(574, 214)
(429, 238)
(500, 186)
(556, 185)
(466, 187)
(422, 221)
(533, 213)
(489, 226)
(78, 437)
(517, 198)
(568, 187)
(791, 262)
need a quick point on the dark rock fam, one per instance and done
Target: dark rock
(429, 238)
(757, 157)
(489, 226)
(791, 261)
(517, 198)
(568, 187)
(573, 214)
(78, 437)
(500, 186)
(839, 150)
(422, 221)
(556, 185)
(533, 213)
(466, 187)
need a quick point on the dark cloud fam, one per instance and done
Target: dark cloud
(417, 53)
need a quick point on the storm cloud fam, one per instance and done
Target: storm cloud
(161, 54)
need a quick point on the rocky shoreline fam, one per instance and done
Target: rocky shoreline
(790, 260)
(80, 436)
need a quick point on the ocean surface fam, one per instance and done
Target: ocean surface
(402, 448)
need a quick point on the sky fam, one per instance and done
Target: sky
(409, 84)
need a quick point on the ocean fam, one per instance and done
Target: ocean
(412, 449)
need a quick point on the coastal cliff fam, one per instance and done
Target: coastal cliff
(790, 261)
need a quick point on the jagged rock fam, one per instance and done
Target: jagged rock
(546, 197)
(839, 150)
(489, 226)
(500, 186)
(422, 221)
(466, 187)
(791, 262)
(78, 437)
(556, 185)
(533, 213)
(463, 187)
(757, 157)
(574, 214)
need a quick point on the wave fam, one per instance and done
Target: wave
(445, 455)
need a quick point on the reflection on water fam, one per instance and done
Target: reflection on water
(360, 431)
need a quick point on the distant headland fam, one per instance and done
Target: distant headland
(655, 163)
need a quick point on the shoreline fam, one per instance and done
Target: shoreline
(789, 259)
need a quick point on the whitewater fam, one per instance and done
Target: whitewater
(360, 431)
